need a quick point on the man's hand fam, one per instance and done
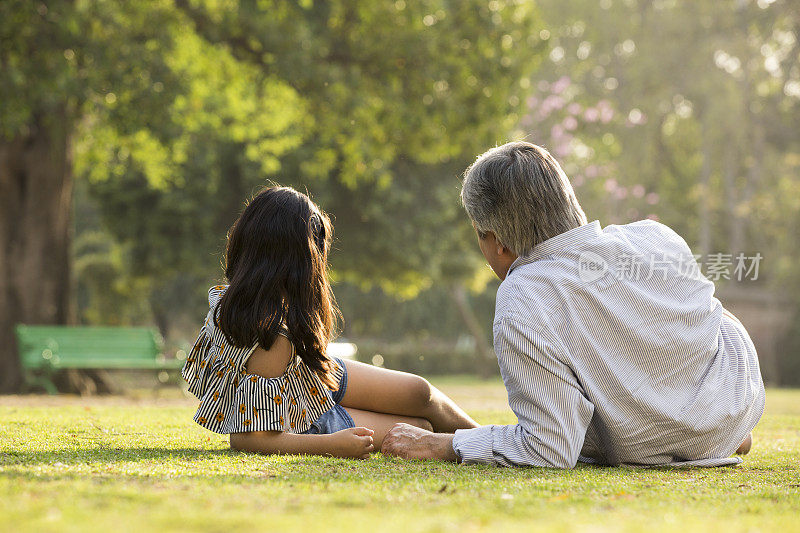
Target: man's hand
(411, 442)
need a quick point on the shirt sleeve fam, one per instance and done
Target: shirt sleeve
(552, 410)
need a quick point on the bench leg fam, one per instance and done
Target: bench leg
(45, 382)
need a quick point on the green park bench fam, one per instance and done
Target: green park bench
(45, 350)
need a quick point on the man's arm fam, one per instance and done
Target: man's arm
(543, 392)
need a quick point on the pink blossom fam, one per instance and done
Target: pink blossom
(610, 185)
(592, 171)
(606, 111)
(651, 198)
(574, 108)
(570, 123)
(621, 193)
(653, 216)
(553, 102)
(560, 85)
(557, 132)
(562, 149)
(532, 102)
(577, 181)
(638, 190)
(591, 115)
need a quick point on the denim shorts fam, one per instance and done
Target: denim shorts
(336, 419)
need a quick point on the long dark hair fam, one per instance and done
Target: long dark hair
(276, 263)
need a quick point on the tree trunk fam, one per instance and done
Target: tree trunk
(35, 204)
(488, 361)
(735, 220)
(704, 239)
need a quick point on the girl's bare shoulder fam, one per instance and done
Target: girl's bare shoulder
(271, 363)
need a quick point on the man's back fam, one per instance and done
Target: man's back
(670, 376)
(610, 342)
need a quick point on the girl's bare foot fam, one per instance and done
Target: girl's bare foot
(744, 447)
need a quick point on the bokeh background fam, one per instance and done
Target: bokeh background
(132, 132)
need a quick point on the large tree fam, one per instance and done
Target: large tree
(125, 88)
(54, 57)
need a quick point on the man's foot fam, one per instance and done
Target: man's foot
(744, 447)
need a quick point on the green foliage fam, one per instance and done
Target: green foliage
(103, 269)
(375, 107)
(38, 67)
(426, 319)
(419, 79)
(216, 100)
(142, 464)
(80, 55)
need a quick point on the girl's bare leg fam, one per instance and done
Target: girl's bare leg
(381, 423)
(380, 390)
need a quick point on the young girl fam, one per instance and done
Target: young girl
(259, 366)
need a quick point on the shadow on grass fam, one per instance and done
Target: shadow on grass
(21, 463)
(107, 455)
(112, 454)
(378, 467)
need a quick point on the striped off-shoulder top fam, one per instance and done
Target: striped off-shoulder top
(234, 401)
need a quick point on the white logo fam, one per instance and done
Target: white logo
(591, 267)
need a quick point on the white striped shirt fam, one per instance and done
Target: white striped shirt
(609, 362)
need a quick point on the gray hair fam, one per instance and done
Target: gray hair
(519, 192)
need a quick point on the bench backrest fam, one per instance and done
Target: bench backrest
(86, 347)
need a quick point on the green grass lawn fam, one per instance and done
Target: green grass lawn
(128, 464)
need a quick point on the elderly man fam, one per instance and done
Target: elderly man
(611, 344)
